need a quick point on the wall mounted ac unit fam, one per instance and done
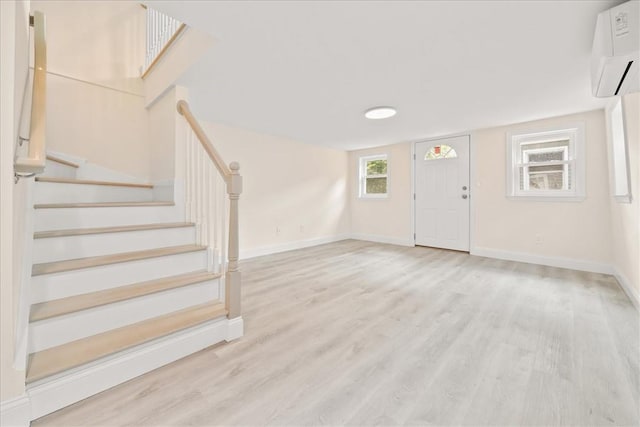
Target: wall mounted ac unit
(615, 56)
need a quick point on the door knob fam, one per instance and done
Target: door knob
(464, 196)
(464, 187)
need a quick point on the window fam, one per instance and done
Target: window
(373, 176)
(546, 164)
(440, 152)
(618, 161)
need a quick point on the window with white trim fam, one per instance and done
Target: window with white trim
(373, 176)
(546, 164)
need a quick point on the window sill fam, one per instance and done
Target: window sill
(623, 199)
(373, 197)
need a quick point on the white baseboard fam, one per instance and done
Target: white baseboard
(626, 286)
(289, 246)
(570, 263)
(235, 329)
(383, 239)
(92, 171)
(15, 412)
(52, 394)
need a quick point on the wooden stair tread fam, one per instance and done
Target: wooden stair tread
(76, 353)
(102, 230)
(46, 310)
(80, 263)
(99, 205)
(62, 161)
(90, 182)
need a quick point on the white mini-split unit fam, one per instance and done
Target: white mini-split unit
(615, 57)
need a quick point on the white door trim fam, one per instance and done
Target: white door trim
(413, 192)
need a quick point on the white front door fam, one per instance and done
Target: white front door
(442, 193)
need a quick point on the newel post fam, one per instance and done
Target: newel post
(232, 278)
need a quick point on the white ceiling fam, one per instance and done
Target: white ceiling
(308, 70)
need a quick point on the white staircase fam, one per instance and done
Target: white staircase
(119, 287)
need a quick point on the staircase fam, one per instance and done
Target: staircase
(116, 277)
(114, 274)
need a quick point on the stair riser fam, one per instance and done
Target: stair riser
(48, 287)
(60, 330)
(53, 192)
(65, 218)
(72, 247)
(58, 170)
(61, 390)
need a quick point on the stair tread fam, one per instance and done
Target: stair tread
(90, 182)
(76, 353)
(62, 161)
(80, 263)
(100, 205)
(102, 230)
(59, 307)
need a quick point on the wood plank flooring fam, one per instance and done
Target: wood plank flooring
(359, 333)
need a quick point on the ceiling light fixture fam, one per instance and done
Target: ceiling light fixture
(377, 113)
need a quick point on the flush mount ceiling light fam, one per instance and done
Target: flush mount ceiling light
(377, 113)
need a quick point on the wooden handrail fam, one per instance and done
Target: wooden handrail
(35, 161)
(233, 182)
(164, 50)
(183, 108)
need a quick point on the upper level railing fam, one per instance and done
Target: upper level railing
(34, 161)
(162, 31)
(206, 208)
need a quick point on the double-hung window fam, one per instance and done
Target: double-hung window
(547, 164)
(373, 176)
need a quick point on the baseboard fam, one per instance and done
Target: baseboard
(570, 263)
(626, 286)
(52, 394)
(235, 329)
(15, 412)
(383, 239)
(93, 171)
(289, 246)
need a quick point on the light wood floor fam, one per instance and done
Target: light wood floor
(362, 333)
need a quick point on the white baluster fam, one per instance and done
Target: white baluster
(198, 193)
(210, 213)
(187, 181)
(222, 214)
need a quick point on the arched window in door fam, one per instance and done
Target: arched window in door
(440, 152)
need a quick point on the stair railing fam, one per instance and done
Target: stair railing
(162, 31)
(34, 161)
(206, 207)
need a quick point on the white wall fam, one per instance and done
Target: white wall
(95, 103)
(388, 219)
(625, 217)
(13, 58)
(105, 126)
(162, 129)
(190, 47)
(297, 188)
(96, 41)
(576, 231)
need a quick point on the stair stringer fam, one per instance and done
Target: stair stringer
(91, 171)
(56, 392)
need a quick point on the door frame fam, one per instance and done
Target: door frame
(472, 186)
